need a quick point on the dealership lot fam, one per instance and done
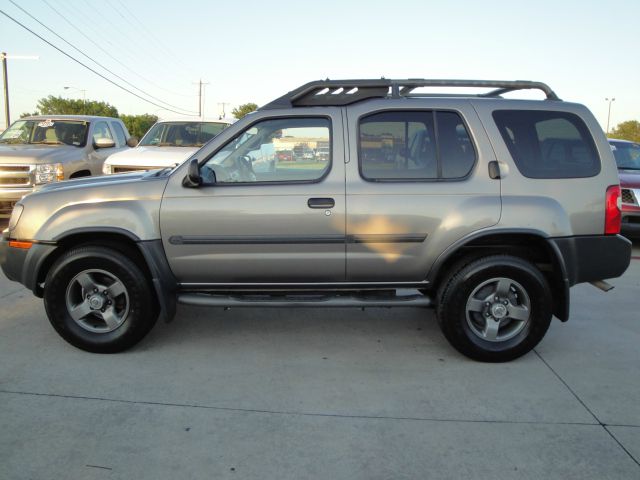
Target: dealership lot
(306, 393)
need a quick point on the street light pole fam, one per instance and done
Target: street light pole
(610, 100)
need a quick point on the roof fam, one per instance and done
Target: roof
(80, 118)
(345, 92)
(197, 120)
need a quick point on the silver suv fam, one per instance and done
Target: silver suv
(485, 208)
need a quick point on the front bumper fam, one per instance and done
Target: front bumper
(9, 197)
(21, 265)
(631, 220)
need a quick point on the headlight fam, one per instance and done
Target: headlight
(106, 168)
(15, 215)
(49, 172)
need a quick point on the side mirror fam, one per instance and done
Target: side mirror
(192, 179)
(104, 143)
(132, 141)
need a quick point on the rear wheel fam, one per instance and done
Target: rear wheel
(99, 300)
(495, 308)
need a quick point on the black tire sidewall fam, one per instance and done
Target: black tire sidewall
(453, 318)
(140, 317)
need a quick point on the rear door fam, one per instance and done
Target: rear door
(271, 217)
(417, 181)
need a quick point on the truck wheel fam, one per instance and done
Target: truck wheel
(98, 300)
(495, 309)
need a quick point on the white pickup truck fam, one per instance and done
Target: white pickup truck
(167, 143)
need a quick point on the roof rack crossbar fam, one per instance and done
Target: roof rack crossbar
(344, 92)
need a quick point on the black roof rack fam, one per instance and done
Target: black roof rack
(345, 92)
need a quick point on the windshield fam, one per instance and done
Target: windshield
(627, 155)
(48, 132)
(181, 134)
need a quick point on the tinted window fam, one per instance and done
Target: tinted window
(181, 134)
(282, 150)
(547, 144)
(627, 155)
(414, 145)
(122, 139)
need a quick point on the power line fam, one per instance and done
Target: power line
(96, 62)
(149, 32)
(102, 49)
(86, 66)
(120, 35)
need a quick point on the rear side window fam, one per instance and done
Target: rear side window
(414, 146)
(547, 144)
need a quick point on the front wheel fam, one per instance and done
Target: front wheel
(99, 300)
(496, 308)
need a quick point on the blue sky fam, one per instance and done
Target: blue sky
(256, 51)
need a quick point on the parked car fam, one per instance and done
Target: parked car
(627, 155)
(38, 150)
(167, 143)
(485, 208)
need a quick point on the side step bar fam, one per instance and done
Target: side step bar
(293, 300)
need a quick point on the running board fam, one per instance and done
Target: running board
(296, 300)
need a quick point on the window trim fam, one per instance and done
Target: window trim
(581, 127)
(289, 182)
(438, 160)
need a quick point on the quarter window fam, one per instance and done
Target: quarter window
(278, 150)
(414, 145)
(547, 144)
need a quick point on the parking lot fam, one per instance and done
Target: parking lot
(322, 394)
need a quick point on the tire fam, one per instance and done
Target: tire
(106, 292)
(494, 309)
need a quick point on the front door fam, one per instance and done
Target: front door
(275, 213)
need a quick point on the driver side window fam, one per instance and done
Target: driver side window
(278, 150)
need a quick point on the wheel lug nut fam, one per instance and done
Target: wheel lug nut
(505, 302)
(95, 290)
(496, 299)
(486, 304)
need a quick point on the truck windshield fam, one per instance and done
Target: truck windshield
(627, 155)
(48, 132)
(181, 134)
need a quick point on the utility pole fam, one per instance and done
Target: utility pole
(5, 81)
(223, 104)
(200, 84)
(610, 100)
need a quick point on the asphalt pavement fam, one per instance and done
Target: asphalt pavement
(322, 394)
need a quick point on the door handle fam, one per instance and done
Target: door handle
(321, 203)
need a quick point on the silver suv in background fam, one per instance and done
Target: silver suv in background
(167, 143)
(484, 208)
(40, 150)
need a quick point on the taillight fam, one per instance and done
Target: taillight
(613, 210)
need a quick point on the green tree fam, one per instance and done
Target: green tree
(629, 130)
(244, 109)
(67, 106)
(138, 125)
